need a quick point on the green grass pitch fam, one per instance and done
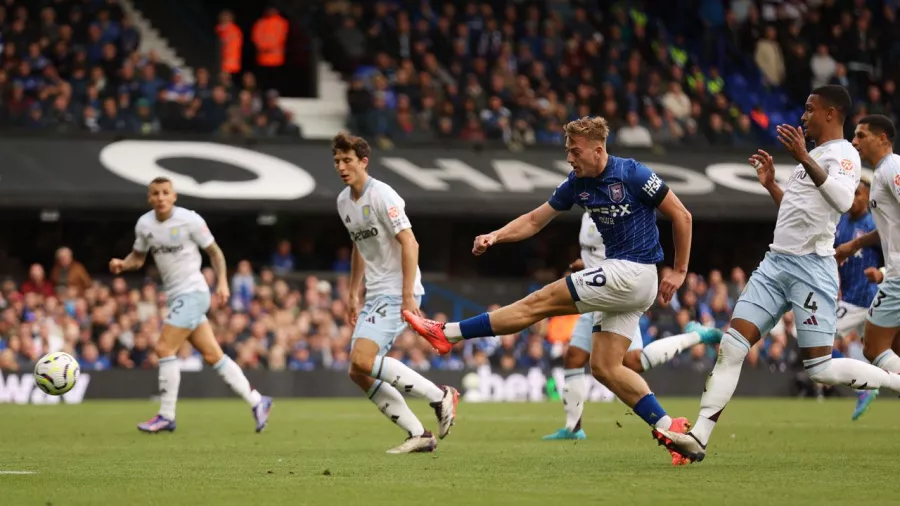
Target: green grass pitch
(331, 452)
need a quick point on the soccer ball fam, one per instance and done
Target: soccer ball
(56, 373)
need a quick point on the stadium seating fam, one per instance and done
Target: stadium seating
(548, 66)
(76, 66)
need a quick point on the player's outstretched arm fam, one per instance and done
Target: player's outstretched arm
(682, 230)
(134, 261)
(518, 229)
(848, 249)
(409, 263)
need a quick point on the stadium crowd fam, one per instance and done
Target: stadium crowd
(75, 65)
(658, 71)
(274, 324)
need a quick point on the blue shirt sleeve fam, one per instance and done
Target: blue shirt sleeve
(563, 197)
(646, 185)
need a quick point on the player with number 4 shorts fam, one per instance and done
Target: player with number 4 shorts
(874, 139)
(799, 273)
(622, 196)
(386, 253)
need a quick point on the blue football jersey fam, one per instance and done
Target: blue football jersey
(856, 289)
(622, 202)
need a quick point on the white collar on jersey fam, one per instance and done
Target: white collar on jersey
(884, 159)
(366, 186)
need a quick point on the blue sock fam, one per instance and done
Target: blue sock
(477, 326)
(649, 410)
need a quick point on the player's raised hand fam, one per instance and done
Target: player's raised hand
(482, 243)
(793, 139)
(765, 167)
(116, 265)
(670, 284)
(874, 274)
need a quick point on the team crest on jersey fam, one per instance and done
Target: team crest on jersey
(616, 192)
(846, 166)
(175, 233)
(367, 213)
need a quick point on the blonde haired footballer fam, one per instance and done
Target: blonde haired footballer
(174, 236)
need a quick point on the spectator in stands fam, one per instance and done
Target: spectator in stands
(769, 57)
(37, 282)
(270, 36)
(633, 134)
(823, 66)
(718, 133)
(69, 273)
(231, 43)
(243, 286)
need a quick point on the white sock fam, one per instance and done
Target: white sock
(234, 376)
(574, 393)
(401, 377)
(661, 351)
(851, 373)
(452, 332)
(889, 361)
(721, 383)
(392, 404)
(664, 422)
(169, 381)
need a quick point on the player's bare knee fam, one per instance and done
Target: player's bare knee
(576, 358)
(874, 347)
(360, 378)
(632, 361)
(361, 363)
(212, 357)
(746, 329)
(164, 348)
(602, 372)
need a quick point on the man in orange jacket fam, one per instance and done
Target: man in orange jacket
(232, 42)
(270, 36)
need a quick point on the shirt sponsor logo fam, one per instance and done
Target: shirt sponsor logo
(363, 234)
(605, 214)
(166, 250)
